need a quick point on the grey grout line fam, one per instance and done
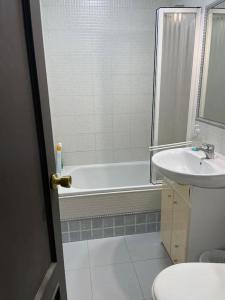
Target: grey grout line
(135, 224)
(113, 227)
(90, 273)
(132, 263)
(69, 237)
(147, 259)
(112, 264)
(114, 235)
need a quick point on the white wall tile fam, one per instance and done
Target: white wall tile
(141, 153)
(121, 123)
(141, 103)
(141, 84)
(78, 142)
(64, 125)
(104, 141)
(104, 156)
(84, 123)
(79, 158)
(70, 104)
(121, 84)
(83, 104)
(102, 83)
(121, 140)
(99, 60)
(84, 142)
(140, 138)
(122, 103)
(103, 123)
(122, 155)
(61, 104)
(103, 103)
(140, 122)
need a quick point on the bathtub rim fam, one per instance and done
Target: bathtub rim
(116, 190)
(77, 192)
(86, 166)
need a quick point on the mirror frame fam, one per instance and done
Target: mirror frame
(198, 118)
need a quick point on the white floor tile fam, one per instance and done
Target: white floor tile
(115, 282)
(108, 251)
(147, 271)
(145, 246)
(78, 284)
(75, 255)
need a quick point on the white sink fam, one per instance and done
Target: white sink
(185, 166)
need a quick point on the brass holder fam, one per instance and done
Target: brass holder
(64, 181)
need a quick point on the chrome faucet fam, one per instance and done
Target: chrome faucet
(208, 149)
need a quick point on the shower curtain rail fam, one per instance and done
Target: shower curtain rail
(169, 146)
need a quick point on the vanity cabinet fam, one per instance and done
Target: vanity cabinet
(192, 220)
(166, 217)
(175, 214)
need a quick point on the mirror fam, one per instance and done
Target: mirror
(212, 96)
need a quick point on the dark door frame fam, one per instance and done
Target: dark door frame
(36, 59)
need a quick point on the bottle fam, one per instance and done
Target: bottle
(58, 159)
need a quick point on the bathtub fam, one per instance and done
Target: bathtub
(104, 189)
(106, 178)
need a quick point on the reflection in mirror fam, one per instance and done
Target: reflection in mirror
(221, 5)
(212, 102)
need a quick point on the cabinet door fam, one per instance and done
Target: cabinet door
(166, 217)
(181, 215)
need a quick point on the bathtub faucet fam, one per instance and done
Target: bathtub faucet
(208, 149)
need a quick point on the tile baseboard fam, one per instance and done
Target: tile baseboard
(109, 226)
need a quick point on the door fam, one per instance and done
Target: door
(31, 261)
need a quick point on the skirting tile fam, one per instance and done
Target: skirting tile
(109, 226)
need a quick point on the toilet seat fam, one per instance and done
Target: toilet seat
(190, 281)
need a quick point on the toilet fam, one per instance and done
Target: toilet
(190, 281)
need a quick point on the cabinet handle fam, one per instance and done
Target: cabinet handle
(174, 202)
(169, 196)
(176, 246)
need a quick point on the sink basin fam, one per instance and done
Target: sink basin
(185, 166)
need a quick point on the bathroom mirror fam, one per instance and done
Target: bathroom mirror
(211, 107)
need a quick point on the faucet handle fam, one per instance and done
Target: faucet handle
(209, 150)
(204, 146)
(209, 147)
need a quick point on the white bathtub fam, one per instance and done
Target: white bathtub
(105, 178)
(108, 189)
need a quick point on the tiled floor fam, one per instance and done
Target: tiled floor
(117, 268)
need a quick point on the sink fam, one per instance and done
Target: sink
(185, 166)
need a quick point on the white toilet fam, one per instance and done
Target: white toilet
(190, 281)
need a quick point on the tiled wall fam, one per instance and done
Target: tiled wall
(191, 3)
(101, 227)
(99, 59)
(213, 135)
